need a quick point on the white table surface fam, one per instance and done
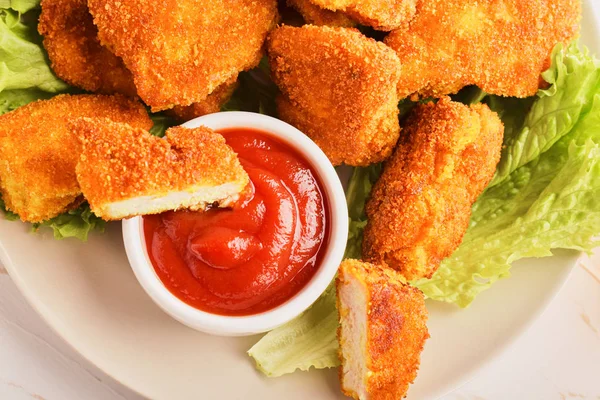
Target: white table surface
(558, 358)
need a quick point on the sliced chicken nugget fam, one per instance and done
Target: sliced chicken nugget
(500, 46)
(383, 329)
(420, 207)
(339, 88)
(38, 154)
(180, 51)
(125, 171)
(76, 55)
(315, 15)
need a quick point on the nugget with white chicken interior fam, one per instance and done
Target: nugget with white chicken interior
(124, 171)
(383, 328)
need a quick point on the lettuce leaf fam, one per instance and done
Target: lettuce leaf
(546, 196)
(574, 78)
(23, 62)
(307, 341)
(21, 6)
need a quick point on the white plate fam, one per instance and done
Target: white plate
(88, 294)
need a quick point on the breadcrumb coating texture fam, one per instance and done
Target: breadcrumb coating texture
(119, 162)
(339, 88)
(38, 154)
(180, 51)
(315, 15)
(212, 104)
(76, 55)
(500, 46)
(420, 207)
(384, 15)
(396, 329)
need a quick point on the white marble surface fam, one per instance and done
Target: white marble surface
(558, 358)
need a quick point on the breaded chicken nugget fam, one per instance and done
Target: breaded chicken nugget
(383, 328)
(125, 171)
(420, 207)
(500, 46)
(316, 15)
(180, 51)
(339, 88)
(212, 104)
(384, 15)
(38, 154)
(77, 57)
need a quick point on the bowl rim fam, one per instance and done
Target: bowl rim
(135, 244)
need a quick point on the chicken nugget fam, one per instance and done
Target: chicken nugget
(180, 51)
(125, 171)
(339, 88)
(384, 15)
(212, 104)
(76, 55)
(500, 46)
(383, 329)
(420, 207)
(316, 15)
(38, 153)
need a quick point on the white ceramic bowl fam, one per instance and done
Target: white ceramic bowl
(135, 245)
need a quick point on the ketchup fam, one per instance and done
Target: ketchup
(256, 255)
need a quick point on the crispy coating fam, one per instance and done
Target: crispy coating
(420, 207)
(500, 46)
(77, 57)
(38, 154)
(212, 104)
(316, 15)
(394, 334)
(120, 163)
(338, 87)
(384, 15)
(180, 51)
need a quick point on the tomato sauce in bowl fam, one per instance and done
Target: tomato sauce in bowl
(256, 255)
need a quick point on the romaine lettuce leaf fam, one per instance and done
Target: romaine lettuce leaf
(574, 78)
(23, 62)
(21, 6)
(308, 341)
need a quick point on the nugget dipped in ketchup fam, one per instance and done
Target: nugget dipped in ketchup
(125, 171)
(255, 255)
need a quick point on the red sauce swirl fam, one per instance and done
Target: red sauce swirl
(256, 255)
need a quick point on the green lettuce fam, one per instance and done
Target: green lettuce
(24, 64)
(545, 196)
(21, 6)
(574, 78)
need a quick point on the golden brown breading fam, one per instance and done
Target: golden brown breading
(384, 15)
(420, 207)
(125, 171)
(38, 154)
(382, 332)
(212, 104)
(180, 51)
(316, 15)
(77, 57)
(500, 46)
(339, 88)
